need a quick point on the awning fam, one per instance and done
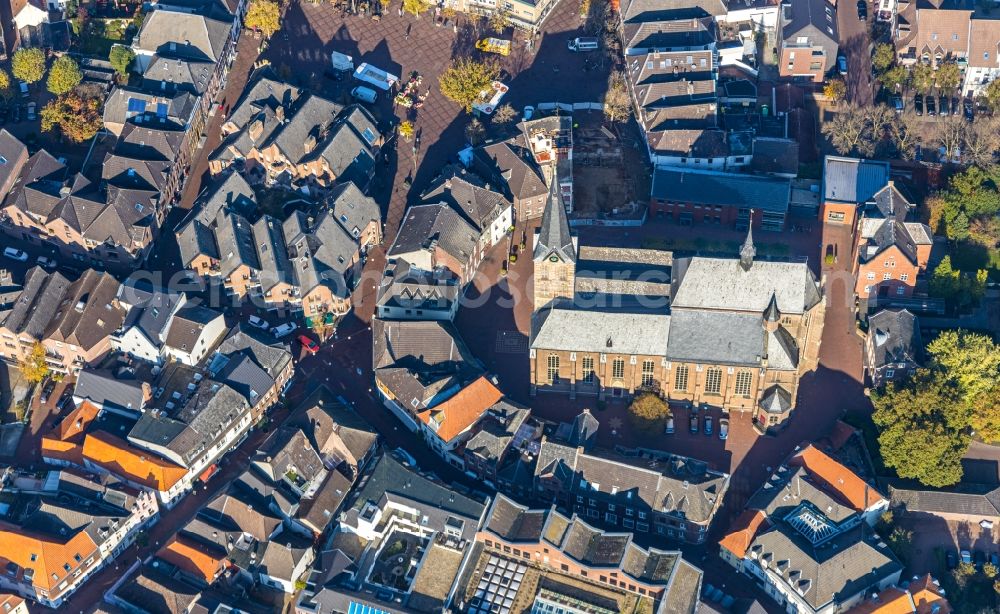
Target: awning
(208, 472)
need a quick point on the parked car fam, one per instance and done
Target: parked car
(708, 425)
(669, 428)
(258, 323)
(842, 64)
(956, 108)
(966, 556)
(15, 254)
(943, 106)
(283, 329)
(931, 110)
(862, 12)
(66, 399)
(918, 104)
(47, 391)
(724, 429)
(31, 111)
(694, 423)
(308, 344)
(897, 104)
(528, 112)
(24, 89)
(969, 109)
(46, 263)
(364, 94)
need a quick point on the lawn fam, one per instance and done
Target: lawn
(96, 37)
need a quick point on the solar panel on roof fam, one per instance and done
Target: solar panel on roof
(161, 109)
(136, 105)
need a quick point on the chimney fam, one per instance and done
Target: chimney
(256, 129)
(280, 113)
(147, 393)
(310, 143)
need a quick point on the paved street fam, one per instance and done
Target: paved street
(856, 45)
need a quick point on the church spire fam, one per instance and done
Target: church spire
(748, 251)
(772, 315)
(554, 234)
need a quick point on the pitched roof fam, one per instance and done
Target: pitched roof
(37, 304)
(554, 236)
(894, 337)
(721, 283)
(511, 161)
(742, 531)
(192, 558)
(722, 189)
(645, 334)
(352, 209)
(104, 388)
(467, 194)
(459, 412)
(185, 35)
(837, 478)
(89, 311)
(812, 16)
(187, 326)
(514, 522)
(122, 459)
(426, 226)
(158, 593)
(50, 558)
(853, 180)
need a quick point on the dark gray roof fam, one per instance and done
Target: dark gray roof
(127, 172)
(554, 237)
(325, 254)
(196, 235)
(970, 500)
(417, 360)
(14, 154)
(510, 163)
(771, 155)
(246, 377)
(190, 76)
(352, 209)
(672, 34)
(469, 195)
(157, 593)
(721, 283)
(37, 305)
(389, 478)
(852, 180)
(838, 570)
(273, 356)
(305, 125)
(715, 337)
(187, 326)
(776, 400)
(426, 225)
(515, 522)
(894, 335)
(124, 105)
(809, 18)
(234, 236)
(410, 288)
(263, 92)
(104, 388)
(328, 422)
(724, 189)
(496, 431)
(272, 254)
(149, 142)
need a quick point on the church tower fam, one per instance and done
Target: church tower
(554, 252)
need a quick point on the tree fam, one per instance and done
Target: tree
(504, 114)
(475, 131)
(922, 77)
(617, 103)
(900, 541)
(499, 20)
(883, 57)
(76, 117)
(121, 58)
(264, 16)
(28, 64)
(948, 77)
(406, 130)
(879, 117)
(649, 407)
(33, 367)
(415, 7)
(991, 95)
(990, 570)
(982, 140)
(849, 131)
(5, 91)
(905, 131)
(467, 79)
(958, 289)
(949, 135)
(923, 429)
(970, 360)
(835, 90)
(895, 78)
(64, 75)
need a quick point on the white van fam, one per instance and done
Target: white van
(364, 94)
(341, 61)
(584, 43)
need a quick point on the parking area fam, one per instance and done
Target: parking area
(401, 45)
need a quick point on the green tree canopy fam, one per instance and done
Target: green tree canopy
(76, 117)
(416, 7)
(5, 90)
(991, 95)
(263, 16)
(958, 289)
(922, 77)
(467, 79)
(895, 78)
(28, 64)
(924, 429)
(883, 57)
(971, 360)
(64, 75)
(121, 58)
(835, 90)
(948, 77)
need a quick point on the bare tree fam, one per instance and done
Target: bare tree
(982, 140)
(849, 131)
(879, 116)
(949, 134)
(504, 114)
(617, 104)
(906, 133)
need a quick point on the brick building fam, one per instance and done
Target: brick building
(807, 30)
